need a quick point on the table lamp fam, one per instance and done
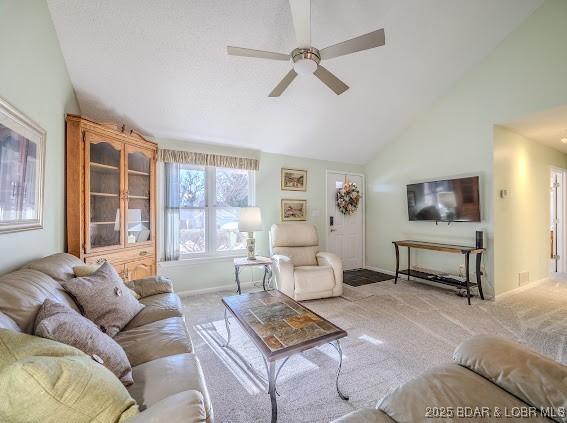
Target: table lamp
(250, 221)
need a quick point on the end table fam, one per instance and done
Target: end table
(264, 262)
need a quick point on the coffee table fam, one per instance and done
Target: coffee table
(281, 327)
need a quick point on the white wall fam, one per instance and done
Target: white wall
(196, 275)
(34, 79)
(522, 219)
(525, 74)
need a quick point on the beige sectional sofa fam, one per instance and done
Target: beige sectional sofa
(169, 385)
(491, 379)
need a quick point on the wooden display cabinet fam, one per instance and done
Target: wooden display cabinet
(111, 192)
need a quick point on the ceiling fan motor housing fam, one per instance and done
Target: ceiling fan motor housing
(305, 60)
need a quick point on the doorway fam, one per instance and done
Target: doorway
(345, 233)
(557, 228)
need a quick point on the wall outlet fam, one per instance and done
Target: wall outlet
(523, 278)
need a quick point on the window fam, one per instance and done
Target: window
(203, 209)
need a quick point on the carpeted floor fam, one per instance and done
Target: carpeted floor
(395, 332)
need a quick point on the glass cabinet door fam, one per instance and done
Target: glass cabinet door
(139, 191)
(104, 206)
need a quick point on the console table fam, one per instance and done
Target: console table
(444, 248)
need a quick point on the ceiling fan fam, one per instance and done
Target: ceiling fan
(306, 59)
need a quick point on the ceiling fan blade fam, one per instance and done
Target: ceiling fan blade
(364, 42)
(301, 14)
(261, 54)
(330, 80)
(284, 83)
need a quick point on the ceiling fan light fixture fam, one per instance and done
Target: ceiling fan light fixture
(305, 66)
(564, 140)
(305, 60)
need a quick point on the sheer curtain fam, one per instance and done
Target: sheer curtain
(172, 212)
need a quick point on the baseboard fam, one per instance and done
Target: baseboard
(231, 287)
(507, 294)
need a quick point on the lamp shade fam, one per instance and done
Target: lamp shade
(250, 220)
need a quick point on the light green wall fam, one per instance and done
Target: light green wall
(523, 75)
(521, 220)
(196, 276)
(34, 79)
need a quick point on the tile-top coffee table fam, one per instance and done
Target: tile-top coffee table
(281, 327)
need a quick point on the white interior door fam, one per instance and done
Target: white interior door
(345, 234)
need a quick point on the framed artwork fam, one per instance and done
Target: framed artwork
(294, 210)
(294, 180)
(22, 155)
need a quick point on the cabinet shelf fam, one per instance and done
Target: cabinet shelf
(103, 166)
(137, 172)
(138, 197)
(103, 194)
(103, 223)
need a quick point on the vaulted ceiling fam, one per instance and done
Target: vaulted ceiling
(162, 67)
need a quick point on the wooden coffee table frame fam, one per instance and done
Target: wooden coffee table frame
(271, 357)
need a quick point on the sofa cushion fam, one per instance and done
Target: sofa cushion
(154, 340)
(183, 407)
(162, 377)
(365, 415)
(23, 292)
(447, 387)
(104, 299)
(314, 279)
(535, 379)
(7, 323)
(299, 256)
(46, 381)
(59, 266)
(151, 286)
(157, 307)
(58, 322)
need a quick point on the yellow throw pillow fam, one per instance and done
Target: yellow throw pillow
(89, 269)
(49, 382)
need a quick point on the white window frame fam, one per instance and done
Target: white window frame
(210, 214)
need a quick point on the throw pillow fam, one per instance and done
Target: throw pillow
(89, 269)
(60, 323)
(49, 382)
(104, 299)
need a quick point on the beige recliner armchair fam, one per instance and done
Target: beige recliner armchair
(302, 272)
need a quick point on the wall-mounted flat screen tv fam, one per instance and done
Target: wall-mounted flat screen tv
(450, 200)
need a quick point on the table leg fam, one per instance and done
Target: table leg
(478, 275)
(467, 262)
(337, 346)
(264, 279)
(272, 390)
(397, 262)
(409, 265)
(227, 324)
(237, 279)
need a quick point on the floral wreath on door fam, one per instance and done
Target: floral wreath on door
(348, 198)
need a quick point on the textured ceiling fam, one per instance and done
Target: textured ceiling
(162, 67)
(547, 127)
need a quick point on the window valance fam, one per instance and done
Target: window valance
(207, 159)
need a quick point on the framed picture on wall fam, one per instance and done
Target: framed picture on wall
(294, 210)
(22, 155)
(294, 180)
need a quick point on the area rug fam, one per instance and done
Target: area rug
(393, 336)
(361, 277)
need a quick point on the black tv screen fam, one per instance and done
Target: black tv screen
(451, 200)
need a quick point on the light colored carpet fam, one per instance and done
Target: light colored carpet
(395, 332)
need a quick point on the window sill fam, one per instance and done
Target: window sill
(186, 261)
